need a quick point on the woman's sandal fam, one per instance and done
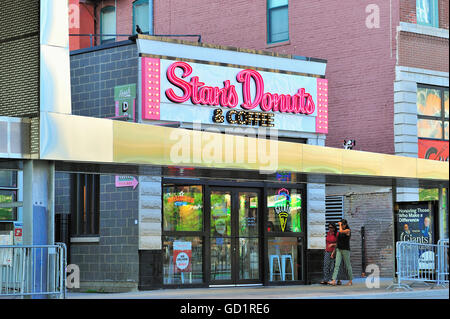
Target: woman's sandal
(323, 283)
(331, 283)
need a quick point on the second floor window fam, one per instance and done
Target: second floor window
(141, 16)
(277, 21)
(427, 12)
(108, 24)
(432, 112)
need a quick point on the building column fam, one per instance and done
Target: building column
(38, 203)
(39, 219)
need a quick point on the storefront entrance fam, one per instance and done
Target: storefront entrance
(234, 229)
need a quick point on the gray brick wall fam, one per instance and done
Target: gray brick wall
(94, 76)
(112, 264)
(62, 193)
(114, 260)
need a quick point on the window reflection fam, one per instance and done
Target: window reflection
(183, 208)
(284, 209)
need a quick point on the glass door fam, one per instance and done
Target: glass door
(234, 236)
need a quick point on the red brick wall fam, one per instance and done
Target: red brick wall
(124, 16)
(443, 14)
(422, 51)
(408, 11)
(360, 66)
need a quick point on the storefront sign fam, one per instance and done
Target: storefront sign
(125, 101)
(415, 222)
(180, 199)
(434, 150)
(211, 94)
(18, 233)
(182, 255)
(283, 207)
(126, 181)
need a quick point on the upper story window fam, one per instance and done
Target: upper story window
(108, 24)
(142, 16)
(427, 12)
(432, 112)
(277, 21)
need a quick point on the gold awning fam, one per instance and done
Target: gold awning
(85, 139)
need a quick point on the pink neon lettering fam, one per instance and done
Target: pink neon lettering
(301, 102)
(244, 77)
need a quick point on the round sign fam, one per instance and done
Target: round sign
(182, 261)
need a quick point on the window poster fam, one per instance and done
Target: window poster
(415, 222)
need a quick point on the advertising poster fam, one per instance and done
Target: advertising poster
(433, 150)
(415, 222)
(182, 255)
(125, 101)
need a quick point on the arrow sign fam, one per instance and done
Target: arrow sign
(126, 181)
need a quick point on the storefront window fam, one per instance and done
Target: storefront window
(284, 209)
(7, 196)
(183, 208)
(182, 260)
(220, 214)
(284, 262)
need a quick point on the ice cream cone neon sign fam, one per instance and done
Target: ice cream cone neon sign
(283, 207)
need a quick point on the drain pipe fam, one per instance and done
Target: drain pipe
(363, 252)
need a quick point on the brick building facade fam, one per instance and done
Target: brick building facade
(373, 74)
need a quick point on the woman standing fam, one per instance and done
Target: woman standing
(343, 252)
(330, 254)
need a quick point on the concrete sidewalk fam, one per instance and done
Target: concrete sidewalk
(359, 290)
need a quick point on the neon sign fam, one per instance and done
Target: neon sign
(199, 93)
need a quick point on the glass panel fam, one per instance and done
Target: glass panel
(279, 24)
(284, 209)
(277, 3)
(220, 258)
(108, 23)
(7, 197)
(446, 103)
(183, 208)
(141, 17)
(8, 179)
(248, 214)
(220, 213)
(446, 130)
(429, 128)
(284, 264)
(424, 11)
(248, 258)
(429, 102)
(426, 194)
(182, 260)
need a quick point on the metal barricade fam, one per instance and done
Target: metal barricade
(37, 271)
(421, 263)
(442, 273)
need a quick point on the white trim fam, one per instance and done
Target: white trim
(424, 76)
(85, 239)
(146, 46)
(423, 29)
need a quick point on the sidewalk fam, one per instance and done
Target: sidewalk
(359, 290)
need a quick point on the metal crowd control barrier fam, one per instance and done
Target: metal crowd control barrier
(421, 263)
(37, 271)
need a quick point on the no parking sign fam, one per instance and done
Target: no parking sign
(182, 255)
